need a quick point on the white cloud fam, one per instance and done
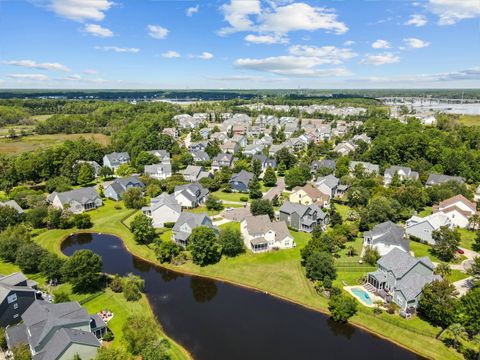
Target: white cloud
(157, 32)
(90, 72)
(266, 39)
(414, 43)
(417, 20)
(349, 43)
(97, 30)
(380, 59)
(453, 11)
(81, 10)
(381, 44)
(324, 54)
(35, 65)
(244, 15)
(171, 54)
(204, 56)
(192, 10)
(117, 49)
(34, 77)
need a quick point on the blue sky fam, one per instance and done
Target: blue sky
(239, 44)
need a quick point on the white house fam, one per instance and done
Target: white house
(459, 210)
(402, 172)
(77, 201)
(158, 171)
(261, 234)
(423, 227)
(385, 237)
(163, 209)
(162, 155)
(115, 159)
(191, 195)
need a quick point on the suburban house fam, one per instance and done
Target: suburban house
(197, 146)
(17, 293)
(403, 173)
(115, 159)
(13, 204)
(325, 163)
(222, 160)
(57, 331)
(436, 179)
(187, 121)
(265, 161)
(327, 185)
(265, 140)
(190, 195)
(302, 217)
(173, 132)
(308, 195)
(162, 155)
(252, 149)
(200, 156)
(163, 209)
(240, 181)
(423, 227)
(261, 234)
(118, 186)
(230, 147)
(96, 166)
(185, 225)
(77, 201)
(241, 140)
(386, 236)
(368, 168)
(275, 148)
(344, 148)
(401, 278)
(194, 173)
(158, 171)
(362, 137)
(459, 210)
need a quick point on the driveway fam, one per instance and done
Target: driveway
(276, 190)
(467, 263)
(463, 285)
(236, 214)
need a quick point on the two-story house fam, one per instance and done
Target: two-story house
(302, 217)
(163, 209)
(185, 225)
(222, 160)
(163, 156)
(190, 195)
(115, 159)
(403, 173)
(458, 209)
(158, 171)
(116, 188)
(17, 293)
(261, 234)
(240, 181)
(385, 237)
(423, 227)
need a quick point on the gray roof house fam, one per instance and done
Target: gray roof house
(163, 208)
(261, 234)
(115, 159)
(385, 237)
(197, 146)
(158, 171)
(222, 160)
(200, 156)
(239, 182)
(96, 166)
(117, 187)
(436, 179)
(77, 201)
(17, 293)
(190, 195)
(162, 155)
(57, 331)
(327, 185)
(194, 173)
(401, 278)
(369, 168)
(423, 227)
(265, 161)
(252, 149)
(403, 173)
(185, 225)
(275, 148)
(325, 163)
(302, 217)
(13, 204)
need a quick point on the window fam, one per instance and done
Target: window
(12, 298)
(15, 316)
(15, 306)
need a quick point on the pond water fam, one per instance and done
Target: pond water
(214, 320)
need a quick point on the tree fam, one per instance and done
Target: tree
(457, 331)
(284, 156)
(231, 241)
(133, 198)
(86, 174)
(3, 339)
(8, 217)
(474, 270)
(443, 270)
(124, 170)
(105, 172)
(371, 255)
(11, 240)
(82, 270)
(213, 203)
(167, 250)
(132, 287)
(116, 283)
(281, 169)
(139, 330)
(254, 189)
(82, 221)
(476, 244)
(60, 297)
(144, 158)
(320, 265)
(27, 257)
(297, 176)
(342, 307)
(257, 167)
(269, 178)
(203, 246)
(468, 310)
(21, 352)
(358, 196)
(156, 350)
(446, 244)
(142, 229)
(437, 303)
(51, 266)
(37, 217)
(335, 217)
(262, 207)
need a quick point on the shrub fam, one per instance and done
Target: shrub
(116, 283)
(82, 221)
(167, 250)
(244, 198)
(169, 225)
(342, 307)
(108, 336)
(60, 297)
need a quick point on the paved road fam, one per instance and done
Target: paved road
(276, 190)
(463, 285)
(467, 263)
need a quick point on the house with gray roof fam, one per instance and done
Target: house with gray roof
(194, 173)
(162, 155)
(240, 181)
(159, 171)
(265, 161)
(197, 146)
(96, 166)
(437, 179)
(117, 187)
(368, 168)
(385, 237)
(276, 148)
(252, 149)
(115, 159)
(261, 234)
(403, 173)
(12, 204)
(185, 225)
(222, 160)
(57, 331)
(190, 195)
(327, 185)
(200, 156)
(77, 201)
(17, 293)
(423, 227)
(163, 209)
(401, 278)
(302, 217)
(325, 163)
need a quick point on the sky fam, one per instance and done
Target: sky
(239, 44)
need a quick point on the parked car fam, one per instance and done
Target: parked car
(460, 251)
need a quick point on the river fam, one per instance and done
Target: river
(217, 321)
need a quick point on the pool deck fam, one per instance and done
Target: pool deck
(371, 295)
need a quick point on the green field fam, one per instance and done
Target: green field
(33, 142)
(280, 274)
(469, 120)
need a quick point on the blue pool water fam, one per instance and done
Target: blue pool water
(362, 295)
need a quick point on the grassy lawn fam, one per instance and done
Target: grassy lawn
(457, 275)
(420, 250)
(343, 210)
(470, 120)
(29, 143)
(229, 196)
(426, 211)
(467, 238)
(278, 273)
(203, 209)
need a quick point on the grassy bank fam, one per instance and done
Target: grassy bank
(278, 273)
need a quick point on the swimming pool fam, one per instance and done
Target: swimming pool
(362, 295)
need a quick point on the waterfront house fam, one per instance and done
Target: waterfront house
(185, 225)
(115, 159)
(385, 237)
(302, 217)
(17, 293)
(240, 181)
(77, 201)
(118, 186)
(261, 234)
(190, 195)
(423, 227)
(163, 209)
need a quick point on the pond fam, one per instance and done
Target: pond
(214, 320)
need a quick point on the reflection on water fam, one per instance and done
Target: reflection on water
(214, 320)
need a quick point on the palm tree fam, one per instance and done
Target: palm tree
(457, 331)
(443, 269)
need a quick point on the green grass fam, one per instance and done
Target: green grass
(203, 209)
(420, 250)
(469, 120)
(426, 211)
(467, 238)
(234, 196)
(278, 273)
(343, 210)
(456, 275)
